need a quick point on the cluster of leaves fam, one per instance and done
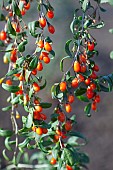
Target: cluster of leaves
(56, 139)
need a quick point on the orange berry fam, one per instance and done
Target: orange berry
(68, 167)
(93, 75)
(36, 101)
(74, 83)
(46, 60)
(43, 116)
(39, 66)
(71, 98)
(51, 29)
(34, 128)
(3, 35)
(38, 108)
(47, 47)
(39, 131)
(92, 86)
(13, 58)
(87, 81)
(77, 66)
(97, 99)
(42, 22)
(63, 86)
(58, 132)
(50, 14)
(91, 46)
(93, 106)
(56, 138)
(81, 78)
(90, 94)
(21, 78)
(9, 82)
(83, 69)
(53, 161)
(82, 59)
(68, 108)
(36, 87)
(96, 68)
(34, 72)
(27, 7)
(36, 115)
(61, 117)
(40, 43)
(68, 126)
(23, 12)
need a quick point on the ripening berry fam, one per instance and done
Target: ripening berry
(50, 14)
(58, 132)
(68, 126)
(9, 82)
(46, 60)
(68, 167)
(42, 22)
(77, 66)
(71, 98)
(53, 161)
(27, 6)
(40, 43)
(94, 106)
(34, 128)
(38, 108)
(91, 46)
(56, 138)
(39, 66)
(21, 78)
(74, 83)
(63, 86)
(36, 87)
(47, 47)
(51, 29)
(97, 99)
(3, 35)
(5, 60)
(39, 131)
(68, 108)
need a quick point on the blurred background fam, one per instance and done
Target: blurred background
(98, 128)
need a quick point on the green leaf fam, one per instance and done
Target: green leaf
(111, 54)
(42, 148)
(4, 155)
(45, 105)
(16, 9)
(24, 143)
(107, 80)
(67, 156)
(77, 134)
(80, 91)
(61, 62)
(44, 85)
(5, 133)
(11, 88)
(32, 28)
(10, 28)
(1, 44)
(20, 61)
(67, 47)
(15, 100)
(14, 71)
(83, 98)
(6, 108)
(87, 109)
(98, 26)
(27, 75)
(29, 121)
(2, 17)
(21, 46)
(84, 158)
(33, 63)
(85, 5)
(7, 144)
